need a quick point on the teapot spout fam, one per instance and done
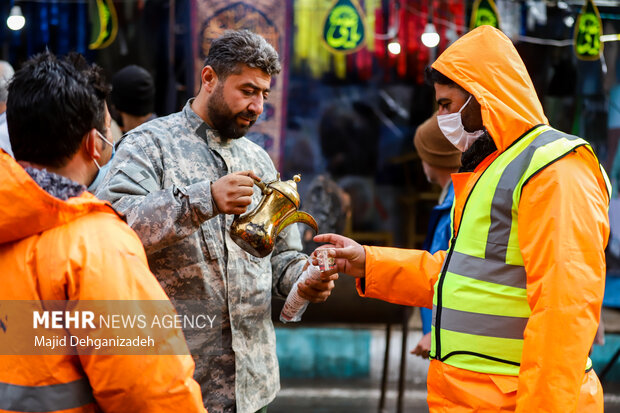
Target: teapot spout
(298, 216)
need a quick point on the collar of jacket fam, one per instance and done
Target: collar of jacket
(28, 209)
(202, 129)
(55, 185)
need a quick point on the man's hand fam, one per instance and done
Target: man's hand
(233, 193)
(423, 349)
(318, 291)
(350, 256)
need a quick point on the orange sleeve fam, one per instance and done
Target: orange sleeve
(116, 268)
(401, 276)
(563, 231)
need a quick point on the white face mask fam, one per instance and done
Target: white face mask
(451, 126)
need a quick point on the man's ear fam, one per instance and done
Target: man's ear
(208, 78)
(92, 144)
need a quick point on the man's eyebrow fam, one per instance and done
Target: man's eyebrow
(255, 87)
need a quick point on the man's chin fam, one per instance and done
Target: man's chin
(241, 130)
(236, 133)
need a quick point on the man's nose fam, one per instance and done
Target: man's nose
(256, 105)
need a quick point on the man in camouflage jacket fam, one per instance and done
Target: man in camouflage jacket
(179, 180)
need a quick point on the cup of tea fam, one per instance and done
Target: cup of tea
(326, 262)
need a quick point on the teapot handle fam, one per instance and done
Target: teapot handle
(263, 187)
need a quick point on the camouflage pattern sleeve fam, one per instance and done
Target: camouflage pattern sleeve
(287, 261)
(160, 217)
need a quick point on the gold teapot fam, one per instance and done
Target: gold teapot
(256, 231)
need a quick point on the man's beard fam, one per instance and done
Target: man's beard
(477, 152)
(222, 118)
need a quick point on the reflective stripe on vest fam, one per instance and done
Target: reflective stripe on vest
(53, 397)
(480, 310)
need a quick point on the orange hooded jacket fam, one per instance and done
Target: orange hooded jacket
(80, 249)
(563, 231)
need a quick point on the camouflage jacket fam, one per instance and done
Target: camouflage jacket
(160, 178)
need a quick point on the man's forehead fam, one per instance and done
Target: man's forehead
(250, 76)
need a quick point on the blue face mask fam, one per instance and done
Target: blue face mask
(101, 170)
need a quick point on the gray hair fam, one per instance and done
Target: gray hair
(6, 73)
(235, 48)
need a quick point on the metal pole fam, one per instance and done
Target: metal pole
(386, 358)
(403, 359)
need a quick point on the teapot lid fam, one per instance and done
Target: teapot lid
(288, 189)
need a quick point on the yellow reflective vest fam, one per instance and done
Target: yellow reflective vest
(480, 309)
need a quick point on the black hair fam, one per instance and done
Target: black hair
(433, 76)
(235, 48)
(52, 104)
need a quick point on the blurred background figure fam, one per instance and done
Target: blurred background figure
(440, 159)
(133, 97)
(133, 100)
(6, 73)
(343, 197)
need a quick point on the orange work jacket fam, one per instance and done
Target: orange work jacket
(563, 231)
(80, 249)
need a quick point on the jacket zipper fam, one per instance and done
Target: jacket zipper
(442, 276)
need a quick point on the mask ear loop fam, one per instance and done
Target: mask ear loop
(466, 102)
(103, 138)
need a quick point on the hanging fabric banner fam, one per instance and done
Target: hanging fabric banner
(588, 30)
(308, 49)
(349, 26)
(344, 29)
(267, 18)
(450, 18)
(484, 12)
(104, 23)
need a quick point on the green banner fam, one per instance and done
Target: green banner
(344, 28)
(588, 31)
(483, 13)
(104, 23)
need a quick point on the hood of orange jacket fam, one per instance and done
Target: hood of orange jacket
(486, 64)
(29, 210)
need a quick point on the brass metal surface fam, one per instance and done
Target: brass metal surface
(256, 231)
